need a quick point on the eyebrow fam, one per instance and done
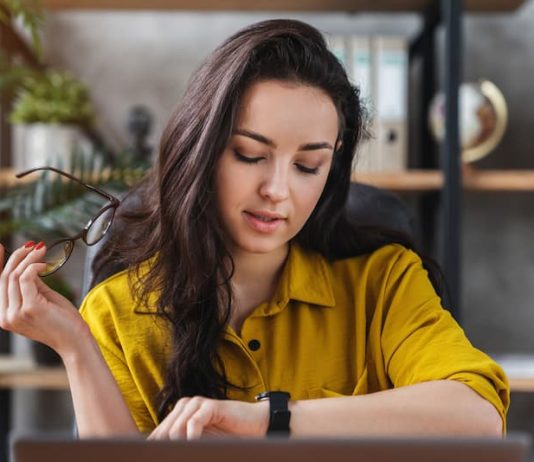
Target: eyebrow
(264, 140)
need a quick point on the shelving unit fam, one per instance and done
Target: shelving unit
(55, 378)
(432, 180)
(451, 182)
(434, 12)
(23, 373)
(448, 13)
(414, 180)
(386, 6)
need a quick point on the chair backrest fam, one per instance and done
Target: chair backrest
(371, 206)
(128, 202)
(366, 205)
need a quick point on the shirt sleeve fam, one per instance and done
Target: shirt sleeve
(97, 311)
(422, 342)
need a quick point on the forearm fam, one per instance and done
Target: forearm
(437, 408)
(99, 406)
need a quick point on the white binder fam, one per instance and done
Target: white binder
(361, 75)
(338, 46)
(391, 83)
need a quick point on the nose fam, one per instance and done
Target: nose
(275, 185)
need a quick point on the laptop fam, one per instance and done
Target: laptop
(512, 449)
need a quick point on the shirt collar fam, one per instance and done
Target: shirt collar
(306, 277)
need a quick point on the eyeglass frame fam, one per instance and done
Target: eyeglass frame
(114, 204)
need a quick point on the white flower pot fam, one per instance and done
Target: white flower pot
(39, 145)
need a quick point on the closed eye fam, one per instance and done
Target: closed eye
(248, 160)
(308, 170)
(254, 160)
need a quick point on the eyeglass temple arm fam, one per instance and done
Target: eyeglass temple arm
(73, 178)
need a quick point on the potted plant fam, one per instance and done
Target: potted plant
(49, 105)
(48, 111)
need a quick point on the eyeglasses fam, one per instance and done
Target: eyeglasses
(96, 228)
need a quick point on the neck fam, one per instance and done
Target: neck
(254, 281)
(251, 267)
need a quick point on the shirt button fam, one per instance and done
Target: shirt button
(254, 345)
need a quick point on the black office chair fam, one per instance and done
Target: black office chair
(371, 206)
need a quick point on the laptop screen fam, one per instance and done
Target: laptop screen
(512, 449)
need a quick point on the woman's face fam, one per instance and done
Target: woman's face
(274, 168)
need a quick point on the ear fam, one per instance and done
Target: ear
(339, 145)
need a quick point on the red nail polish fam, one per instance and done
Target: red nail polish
(39, 246)
(29, 244)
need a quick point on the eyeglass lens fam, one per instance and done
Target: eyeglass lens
(99, 226)
(56, 255)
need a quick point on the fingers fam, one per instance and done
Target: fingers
(30, 283)
(3, 293)
(187, 420)
(2, 255)
(200, 419)
(11, 299)
(10, 265)
(17, 256)
(164, 427)
(32, 256)
(14, 297)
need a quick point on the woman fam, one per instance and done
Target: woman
(244, 277)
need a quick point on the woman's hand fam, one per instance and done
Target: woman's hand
(29, 307)
(196, 417)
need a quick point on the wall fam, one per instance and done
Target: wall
(147, 57)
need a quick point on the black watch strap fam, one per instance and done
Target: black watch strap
(279, 413)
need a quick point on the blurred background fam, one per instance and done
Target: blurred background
(135, 66)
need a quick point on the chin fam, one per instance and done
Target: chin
(259, 247)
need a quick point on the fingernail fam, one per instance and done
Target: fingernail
(29, 244)
(39, 246)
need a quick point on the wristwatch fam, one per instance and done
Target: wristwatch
(279, 413)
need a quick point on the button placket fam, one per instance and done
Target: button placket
(251, 337)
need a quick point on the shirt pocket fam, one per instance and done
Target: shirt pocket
(326, 391)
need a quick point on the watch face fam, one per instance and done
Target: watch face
(268, 394)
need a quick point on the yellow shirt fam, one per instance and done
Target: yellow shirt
(348, 327)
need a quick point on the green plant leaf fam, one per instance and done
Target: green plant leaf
(56, 207)
(32, 15)
(52, 97)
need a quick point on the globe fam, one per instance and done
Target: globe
(483, 118)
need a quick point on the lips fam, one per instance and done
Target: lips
(263, 221)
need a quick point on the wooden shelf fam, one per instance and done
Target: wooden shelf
(519, 368)
(18, 373)
(7, 178)
(42, 378)
(432, 180)
(55, 378)
(498, 180)
(275, 5)
(410, 180)
(525, 385)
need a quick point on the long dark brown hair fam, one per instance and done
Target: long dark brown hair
(175, 219)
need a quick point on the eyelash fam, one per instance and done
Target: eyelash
(254, 160)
